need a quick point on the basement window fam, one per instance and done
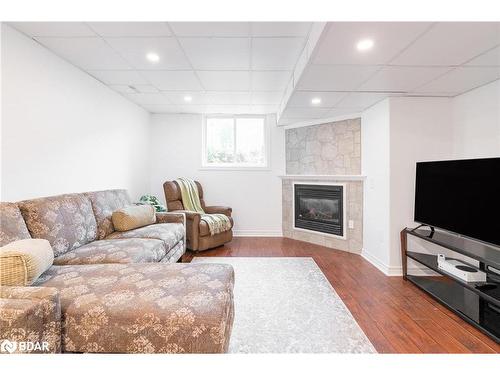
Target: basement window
(237, 141)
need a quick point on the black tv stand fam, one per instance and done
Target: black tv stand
(477, 303)
(425, 225)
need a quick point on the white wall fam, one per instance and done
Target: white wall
(63, 131)
(421, 130)
(255, 196)
(397, 133)
(476, 122)
(375, 158)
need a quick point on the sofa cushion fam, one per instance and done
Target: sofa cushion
(175, 253)
(66, 221)
(12, 226)
(132, 217)
(104, 203)
(130, 250)
(169, 233)
(22, 261)
(144, 308)
(31, 314)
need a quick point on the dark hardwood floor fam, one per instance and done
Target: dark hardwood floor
(396, 316)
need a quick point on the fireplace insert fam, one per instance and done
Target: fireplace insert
(320, 208)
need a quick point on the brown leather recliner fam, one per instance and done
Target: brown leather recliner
(197, 231)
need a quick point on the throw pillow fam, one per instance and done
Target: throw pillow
(132, 217)
(23, 261)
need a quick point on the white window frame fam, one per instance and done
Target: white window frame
(211, 166)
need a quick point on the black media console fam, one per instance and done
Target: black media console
(476, 302)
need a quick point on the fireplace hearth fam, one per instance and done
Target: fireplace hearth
(319, 208)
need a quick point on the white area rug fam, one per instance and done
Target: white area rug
(286, 305)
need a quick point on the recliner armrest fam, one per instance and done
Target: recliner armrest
(190, 215)
(36, 310)
(219, 210)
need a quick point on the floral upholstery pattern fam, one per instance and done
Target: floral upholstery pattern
(169, 233)
(144, 308)
(130, 250)
(104, 203)
(12, 225)
(66, 221)
(31, 314)
(174, 253)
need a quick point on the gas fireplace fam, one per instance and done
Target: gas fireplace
(319, 208)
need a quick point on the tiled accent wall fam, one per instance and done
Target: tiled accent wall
(333, 148)
(327, 149)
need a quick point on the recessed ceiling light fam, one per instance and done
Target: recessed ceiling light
(153, 57)
(316, 101)
(188, 98)
(365, 44)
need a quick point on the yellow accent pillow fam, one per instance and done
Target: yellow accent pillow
(23, 261)
(132, 217)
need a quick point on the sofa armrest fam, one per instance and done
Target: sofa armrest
(31, 314)
(219, 210)
(170, 217)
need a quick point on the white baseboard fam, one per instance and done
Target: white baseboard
(396, 270)
(386, 270)
(257, 233)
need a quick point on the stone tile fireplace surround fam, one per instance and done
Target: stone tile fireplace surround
(327, 154)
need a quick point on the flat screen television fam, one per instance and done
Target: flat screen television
(460, 196)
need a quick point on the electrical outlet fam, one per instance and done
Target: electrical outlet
(351, 224)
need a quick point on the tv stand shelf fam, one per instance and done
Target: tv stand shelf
(482, 252)
(476, 302)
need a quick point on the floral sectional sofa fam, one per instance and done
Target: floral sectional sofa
(110, 291)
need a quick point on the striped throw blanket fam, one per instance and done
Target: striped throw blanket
(217, 223)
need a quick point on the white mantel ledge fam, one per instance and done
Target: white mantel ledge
(323, 177)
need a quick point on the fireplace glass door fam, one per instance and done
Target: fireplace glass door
(319, 208)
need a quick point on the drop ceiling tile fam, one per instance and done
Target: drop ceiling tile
(490, 58)
(270, 80)
(461, 79)
(47, 29)
(118, 77)
(177, 97)
(263, 109)
(134, 50)
(335, 112)
(360, 100)
(304, 113)
(451, 43)
(228, 97)
(279, 29)
(338, 45)
(142, 98)
(86, 53)
(146, 89)
(303, 98)
(334, 77)
(201, 109)
(161, 108)
(276, 53)
(124, 89)
(228, 109)
(131, 29)
(210, 29)
(177, 80)
(225, 80)
(217, 53)
(266, 97)
(401, 78)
